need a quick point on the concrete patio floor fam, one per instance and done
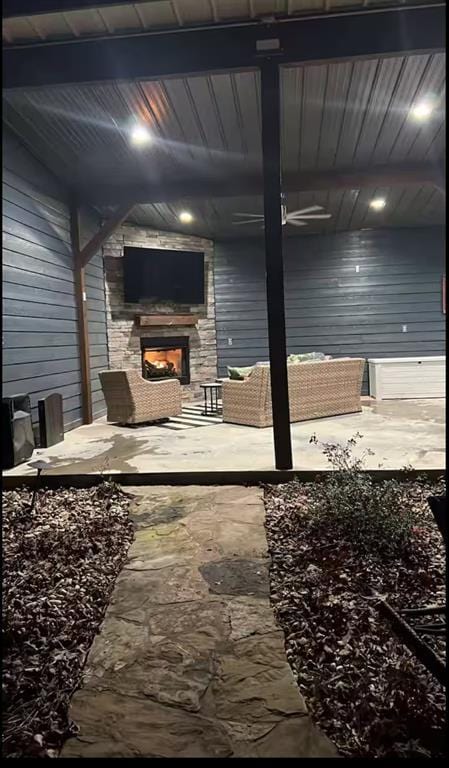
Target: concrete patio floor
(189, 661)
(400, 432)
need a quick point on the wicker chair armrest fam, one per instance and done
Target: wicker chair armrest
(234, 386)
(238, 392)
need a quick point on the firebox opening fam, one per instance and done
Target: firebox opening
(166, 358)
(162, 362)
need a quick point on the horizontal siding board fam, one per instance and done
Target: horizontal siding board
(34, 280)
(234, 308)
(94, 269)
(33, 235)
(36, 221)
(345, 288)
(29, 171)
(13, 194)
(96, 316)
(37, 295)
(33, 324)
(96, 350)
(14, 340)
(329, 306)
(36, 266)
(314, 317)
(18, 340)
(13, 307)
(43, 253)
(27, 354)
(100, 361)
(56, 381)
(36, 369)
(66, 390)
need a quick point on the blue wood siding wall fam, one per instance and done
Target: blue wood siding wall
(40, 337)
(331, 307)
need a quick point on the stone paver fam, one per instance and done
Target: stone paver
(189, 661)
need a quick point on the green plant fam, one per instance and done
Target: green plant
(375, 517)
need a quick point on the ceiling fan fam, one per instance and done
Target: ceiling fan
(296, 218)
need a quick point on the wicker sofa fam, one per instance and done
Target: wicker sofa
(130, 399)
(316, 389)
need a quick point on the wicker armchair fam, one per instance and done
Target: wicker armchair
(130, 399)
(316, 389)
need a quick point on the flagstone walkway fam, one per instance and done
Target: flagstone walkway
(189, 661)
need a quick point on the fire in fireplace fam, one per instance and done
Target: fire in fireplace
(166, 357)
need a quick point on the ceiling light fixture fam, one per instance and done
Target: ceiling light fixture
(140, 135)
(378, 203)
(423, 109)
(185, 217)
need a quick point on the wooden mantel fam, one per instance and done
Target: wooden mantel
(145, 320)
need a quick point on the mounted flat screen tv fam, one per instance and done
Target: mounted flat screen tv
(151, 273)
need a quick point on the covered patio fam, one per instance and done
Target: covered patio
(400, 434)
(241, 200)
(333, 123)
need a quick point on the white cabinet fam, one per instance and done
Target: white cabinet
(407, 378)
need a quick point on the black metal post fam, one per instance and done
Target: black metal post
(274, 266)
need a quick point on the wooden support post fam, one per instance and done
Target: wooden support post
(81, 257)
(81, 307)
(271, 149)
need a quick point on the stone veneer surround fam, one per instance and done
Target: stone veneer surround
(123, 332)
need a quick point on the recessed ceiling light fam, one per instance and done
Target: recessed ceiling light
(140, 135)
(185, 217)
(423, 109)
(378, 203)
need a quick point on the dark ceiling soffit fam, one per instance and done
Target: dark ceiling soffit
(16, 8)
(152, 56)
(202, 188)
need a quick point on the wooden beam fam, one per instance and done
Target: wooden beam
(363, 34)
(274, 266)
(400, 174)
(81, 308)
(105, 231)
(165, 320)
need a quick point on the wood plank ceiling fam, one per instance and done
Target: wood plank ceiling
(152, 15)
(351, 115)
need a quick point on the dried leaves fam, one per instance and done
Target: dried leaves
(60, 562)
(363, 687)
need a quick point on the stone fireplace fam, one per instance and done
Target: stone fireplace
(159, 347)
(166, 358)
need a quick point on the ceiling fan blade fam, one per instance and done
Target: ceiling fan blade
(246, 221)
(310, 209)
(250, 215)
(298, 216)
(297, 223)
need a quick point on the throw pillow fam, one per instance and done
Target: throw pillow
(239, 374)
(305, 357)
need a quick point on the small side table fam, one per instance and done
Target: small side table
(211, 393)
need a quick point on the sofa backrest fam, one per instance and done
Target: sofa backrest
(306, 373)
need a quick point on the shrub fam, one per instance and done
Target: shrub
(375, 517)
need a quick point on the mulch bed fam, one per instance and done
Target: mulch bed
(362, 686)
(60, 562)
